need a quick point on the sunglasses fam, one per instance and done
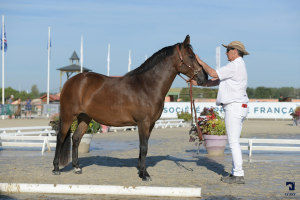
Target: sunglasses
(228, 49)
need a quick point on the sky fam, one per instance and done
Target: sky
(269, 29)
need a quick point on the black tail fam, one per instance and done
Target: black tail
(65, 147)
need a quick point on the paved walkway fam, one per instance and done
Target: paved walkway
(172, 161)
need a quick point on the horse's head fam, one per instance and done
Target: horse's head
(189, 65)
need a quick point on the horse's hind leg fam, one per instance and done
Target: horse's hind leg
(83, 122)
(63, 143)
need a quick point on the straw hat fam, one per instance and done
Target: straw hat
(237, 45)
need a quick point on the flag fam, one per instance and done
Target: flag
(5, 41)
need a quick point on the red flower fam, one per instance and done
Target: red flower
(213, 116)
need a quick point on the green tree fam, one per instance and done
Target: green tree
(251, 92)
(35, 92)
(262, 92)
(7, 92)
(198, 93)
(286, 92)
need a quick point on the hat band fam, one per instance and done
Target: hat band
(239, 48)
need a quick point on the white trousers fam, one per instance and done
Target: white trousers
(234, 117)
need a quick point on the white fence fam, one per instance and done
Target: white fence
(257, 110)
(29, 130)
(162, 123)
(33, 136)
(122, 128)
(28, 141)
(275, 145)
(170, 123)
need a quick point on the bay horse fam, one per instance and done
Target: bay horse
(137, 98)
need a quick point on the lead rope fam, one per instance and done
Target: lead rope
(194, 108)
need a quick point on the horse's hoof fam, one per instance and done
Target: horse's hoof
(146, 178)
(77, 170)
(55, 172)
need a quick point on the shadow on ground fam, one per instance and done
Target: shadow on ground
(108, 161)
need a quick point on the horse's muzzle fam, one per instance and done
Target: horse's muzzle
(201, 80)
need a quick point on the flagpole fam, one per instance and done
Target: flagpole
(48, 83)
(108, 60)
(81, 55)
(129, 61)
(3, 64)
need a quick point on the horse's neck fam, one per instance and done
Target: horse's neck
(161, 76)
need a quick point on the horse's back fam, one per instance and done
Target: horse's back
(93, 94)
(78, 88)
(77, 84)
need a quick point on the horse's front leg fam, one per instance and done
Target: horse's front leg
(143, 174)
(144, 134)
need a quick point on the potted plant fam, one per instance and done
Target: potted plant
(54, 122)
(296, 116)
(213, 131)
(84, 146)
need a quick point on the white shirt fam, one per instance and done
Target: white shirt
(233, 82)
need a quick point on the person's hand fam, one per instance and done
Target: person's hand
(193, 82)
(198, 59)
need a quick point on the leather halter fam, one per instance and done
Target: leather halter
(195, 72)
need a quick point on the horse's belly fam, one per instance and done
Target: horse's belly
(113, 117)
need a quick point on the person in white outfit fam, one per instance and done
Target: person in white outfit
(232, 96)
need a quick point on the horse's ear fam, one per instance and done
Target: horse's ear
(186, 40)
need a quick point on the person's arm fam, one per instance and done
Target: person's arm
(209, 83)
(212, 82)
(210, 71)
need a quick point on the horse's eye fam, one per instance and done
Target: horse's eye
(191, 57)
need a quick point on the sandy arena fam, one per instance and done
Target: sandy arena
(172, 162)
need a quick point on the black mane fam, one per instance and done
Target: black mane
(153, 60)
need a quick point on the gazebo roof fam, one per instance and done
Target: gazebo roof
(74, 56)
(73, 68)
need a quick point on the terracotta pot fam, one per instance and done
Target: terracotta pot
(215, 144)
(84, 146)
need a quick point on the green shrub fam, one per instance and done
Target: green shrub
(94, 126)
(185, 116)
